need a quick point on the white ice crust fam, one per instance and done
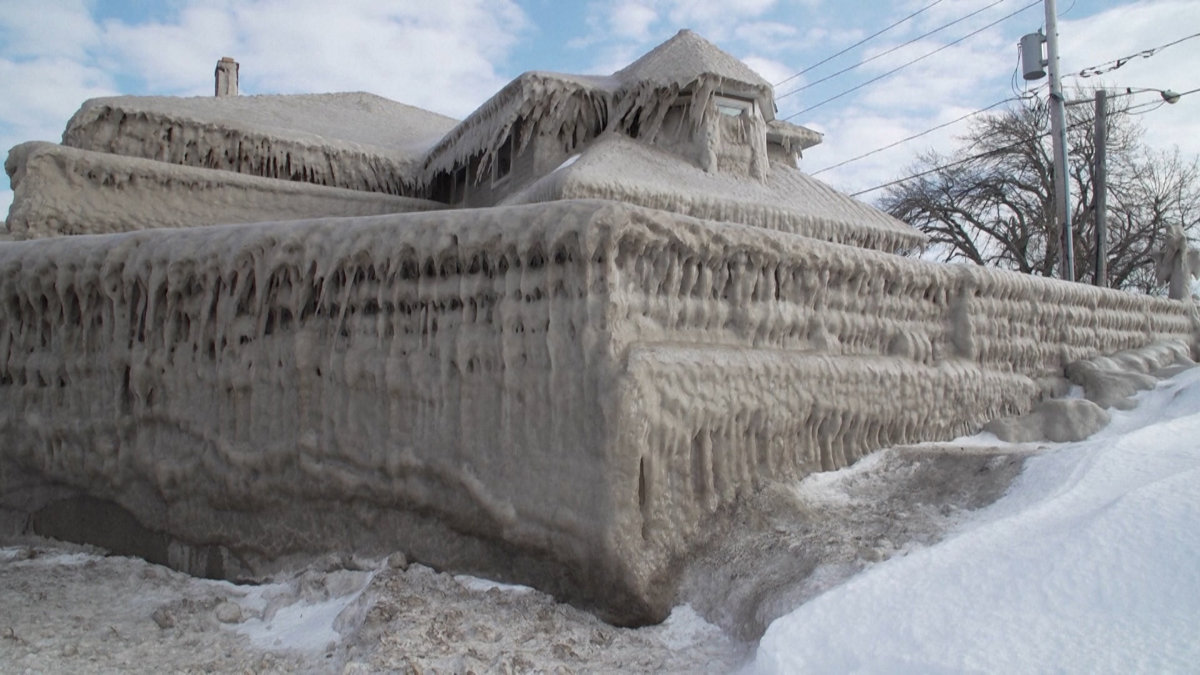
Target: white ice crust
(61, 190)
(563, 394)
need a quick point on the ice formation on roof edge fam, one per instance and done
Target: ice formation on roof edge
(65, 191)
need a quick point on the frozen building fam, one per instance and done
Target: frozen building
(686, 128)
(555, 342)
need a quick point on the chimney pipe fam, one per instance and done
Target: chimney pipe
(227, 77)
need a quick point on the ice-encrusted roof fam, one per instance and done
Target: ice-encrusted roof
(581, 103)
(685, 58)
(571, 102)
(335, 119)
(619, 168)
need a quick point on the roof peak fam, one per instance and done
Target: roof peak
(684, 58)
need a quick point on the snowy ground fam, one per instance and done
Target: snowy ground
(923, 559)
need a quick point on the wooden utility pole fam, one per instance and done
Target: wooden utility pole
(1100, 140)
(1058, 133)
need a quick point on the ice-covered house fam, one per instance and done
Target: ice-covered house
(649, 314)
(685, 128)
(685, 97)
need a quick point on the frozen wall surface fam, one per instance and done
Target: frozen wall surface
(566, 394)
(60, 190)
(353, 140)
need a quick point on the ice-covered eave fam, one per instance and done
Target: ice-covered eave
(577, 108)
(542, 100)
(793, 137)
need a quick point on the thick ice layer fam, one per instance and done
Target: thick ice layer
(684, 70)
(356, 141)
(556, 394)
(60, 190)
(348, 118)
(625, 170)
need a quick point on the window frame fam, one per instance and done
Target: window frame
(734, 106)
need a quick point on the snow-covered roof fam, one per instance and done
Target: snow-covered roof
(340, 119)
(619, 168)
(588, 104)
(686, 58)
(572, 103)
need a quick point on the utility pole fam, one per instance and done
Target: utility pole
(1058, 133)
(1100, 140)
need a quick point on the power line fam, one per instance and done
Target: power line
(858, 44)
(893, 71)
(1001, 149)
(914, 136)
(1109, 66)
(881, 54)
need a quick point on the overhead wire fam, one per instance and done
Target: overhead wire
(915, 136)
(859, 43)
(911, 62)
(1109, 66)
(993, 151)
(879, 55)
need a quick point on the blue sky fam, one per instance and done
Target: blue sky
(55, 54)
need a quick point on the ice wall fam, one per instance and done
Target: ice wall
(562, 394)
(60, 190)
(438, 383)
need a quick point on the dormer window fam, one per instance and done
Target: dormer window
(733, 107)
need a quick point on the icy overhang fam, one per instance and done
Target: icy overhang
(793, 137)
(347, 119)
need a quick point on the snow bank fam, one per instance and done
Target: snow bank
(1087, 565)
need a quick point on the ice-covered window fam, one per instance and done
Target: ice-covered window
(458, 193)
(733, 107)
(504, 159)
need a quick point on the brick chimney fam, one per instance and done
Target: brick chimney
(227, 77)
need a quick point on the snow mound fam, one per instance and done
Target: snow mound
(1087, 565)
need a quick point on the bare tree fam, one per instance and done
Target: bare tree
(992, 202)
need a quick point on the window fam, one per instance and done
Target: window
(504, 159)
(459, 190)
(733, 107)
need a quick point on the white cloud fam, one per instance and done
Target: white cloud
(1129, 30)
(770, 69)
(62, 29)
(174, 56)
(623, 28)
(439, 59)
(54, 55)
(632, 20)
(768, 36)
(717, 20)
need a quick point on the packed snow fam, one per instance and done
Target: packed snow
(1087, 563)
(1091, 563)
